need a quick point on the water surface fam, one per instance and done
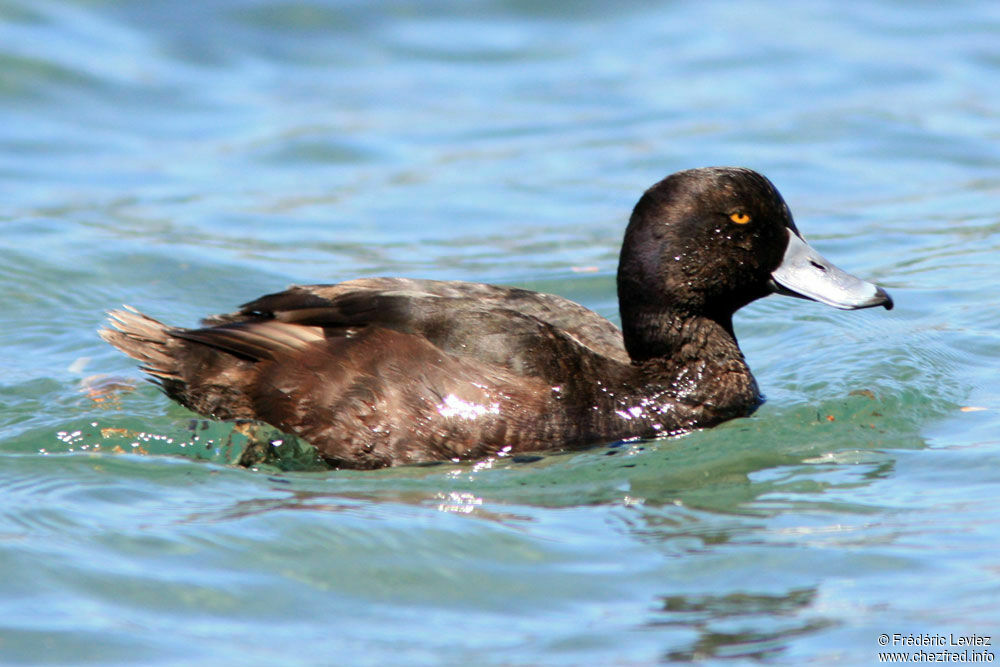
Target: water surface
(187, 157)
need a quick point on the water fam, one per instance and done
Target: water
(187, 157)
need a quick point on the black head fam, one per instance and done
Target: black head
(705, 242)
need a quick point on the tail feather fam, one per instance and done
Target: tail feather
(206, 379)
(144, 339)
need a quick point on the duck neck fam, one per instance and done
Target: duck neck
(667, 337)
(693, 361)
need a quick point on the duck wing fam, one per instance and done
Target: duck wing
(504, 325)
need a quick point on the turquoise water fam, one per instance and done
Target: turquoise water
(187, 157)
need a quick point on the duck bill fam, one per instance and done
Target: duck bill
(806, 274)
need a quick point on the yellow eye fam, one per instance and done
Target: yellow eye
(740, 218)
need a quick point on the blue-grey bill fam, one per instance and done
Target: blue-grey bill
(807, 274)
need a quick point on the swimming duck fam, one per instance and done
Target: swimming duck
(385, 371)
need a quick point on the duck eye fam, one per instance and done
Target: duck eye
(739, 218)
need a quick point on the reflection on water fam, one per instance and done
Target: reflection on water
(708, 615)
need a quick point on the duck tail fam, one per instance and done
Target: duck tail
(202, 377)
(144, 339)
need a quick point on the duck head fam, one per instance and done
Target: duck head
(703, 243)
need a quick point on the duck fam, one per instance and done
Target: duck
(377, 372)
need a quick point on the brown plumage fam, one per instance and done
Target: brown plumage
(382, 371)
